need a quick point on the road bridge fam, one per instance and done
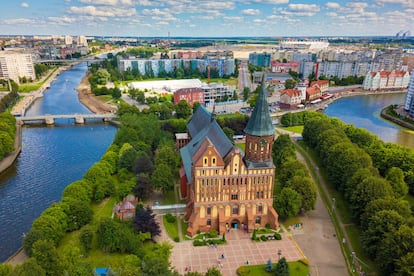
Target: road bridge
(49, 119)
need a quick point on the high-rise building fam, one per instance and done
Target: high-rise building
(223, 187)
(15, 65)
(260, 59)
(68, 40)
(409, 100)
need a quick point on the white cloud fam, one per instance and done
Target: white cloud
(104, 11)
(332, 5)
(303, 8)
(331, 14)
(15, 21)
(270, 2)
(108, 2)
(404, 3)
(259, 21)
(250, 12)
(233, 18)
(24, 5)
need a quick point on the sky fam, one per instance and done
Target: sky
(202, 18)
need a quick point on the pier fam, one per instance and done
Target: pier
(78, 118)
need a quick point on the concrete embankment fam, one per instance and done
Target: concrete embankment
(395, 120)
(9, 159)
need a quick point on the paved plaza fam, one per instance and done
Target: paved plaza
(239, 249)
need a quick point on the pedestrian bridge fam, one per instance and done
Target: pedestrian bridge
(49, 119)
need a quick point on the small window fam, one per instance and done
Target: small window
(205, 160)
(208, 210)
(209, 222)
(234, 197)
(258, 220)
(213, 161)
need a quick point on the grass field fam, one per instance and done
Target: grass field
(295, 129)
(295, 269)
(171, 228)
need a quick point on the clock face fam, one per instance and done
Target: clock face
(262, 142)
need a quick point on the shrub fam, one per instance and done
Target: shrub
(176, 239)
(267, 226)
(199, 243)
(170, 218)
(278, 236)
(198, 232)
(213, 233)
(254, 235)
(241, 271)
(263, 238)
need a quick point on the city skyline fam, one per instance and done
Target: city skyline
(207, 18)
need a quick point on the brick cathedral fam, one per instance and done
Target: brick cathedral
(223, 186)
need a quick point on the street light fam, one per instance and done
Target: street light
(333, 204)
(279, 253)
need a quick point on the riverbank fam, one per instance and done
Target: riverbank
(395, 120)
(88, 99)
(10, 158)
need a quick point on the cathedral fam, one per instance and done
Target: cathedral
(223, 186)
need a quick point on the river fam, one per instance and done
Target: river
(51, 158)
(364, 112)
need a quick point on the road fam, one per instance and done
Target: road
(244, 76)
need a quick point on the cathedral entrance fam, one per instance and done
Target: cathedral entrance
(235, 223)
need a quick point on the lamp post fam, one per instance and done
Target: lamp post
(333, 204)
(279, 253)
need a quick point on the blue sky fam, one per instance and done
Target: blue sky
(207, 18)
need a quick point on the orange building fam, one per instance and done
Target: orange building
(223, 186)
(190, 95)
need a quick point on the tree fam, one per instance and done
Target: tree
(29, 267)
(162, 178)
(304, 187)
(288, 203)
(382, 223)
(143, 189)
(395, 177)
(45, 254)
(269, 266)
(290, 84)
(229, 133)
(79, 213)
(246, 93)
(394, 248)
(183, 109)
(369, 189)
(282, 268)
(145, 221)
(282, 150)
(6, 144)
(85, 238)
(405, 265)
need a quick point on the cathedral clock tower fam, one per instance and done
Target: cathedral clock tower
(260, 133)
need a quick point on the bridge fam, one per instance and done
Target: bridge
(78, 118)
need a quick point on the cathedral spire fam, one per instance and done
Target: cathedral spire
(260, 123)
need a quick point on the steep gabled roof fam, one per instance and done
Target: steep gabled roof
(260, 123)
(202, 127)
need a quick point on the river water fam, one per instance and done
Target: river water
(51, 158)
(364, 112)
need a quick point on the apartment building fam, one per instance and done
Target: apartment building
(15, 65)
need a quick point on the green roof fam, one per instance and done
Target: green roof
(260, 123)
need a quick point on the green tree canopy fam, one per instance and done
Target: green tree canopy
(288, 203)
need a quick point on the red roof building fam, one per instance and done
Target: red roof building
(290, 97)
(125, 210)
(313, 93)
(284, 67)
(323, 85)
(190, 95)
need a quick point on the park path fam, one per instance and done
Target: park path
(318, 238)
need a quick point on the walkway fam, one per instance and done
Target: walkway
(237, 251)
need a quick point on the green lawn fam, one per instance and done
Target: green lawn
(184, 226)
(171, 228)
(242, 146)
(295, 269)
(295, 129)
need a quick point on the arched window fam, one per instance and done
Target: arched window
(258, 220)
(235, 210)
(213, 161)
(209, 222)
(208, 210)
(205, 160)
